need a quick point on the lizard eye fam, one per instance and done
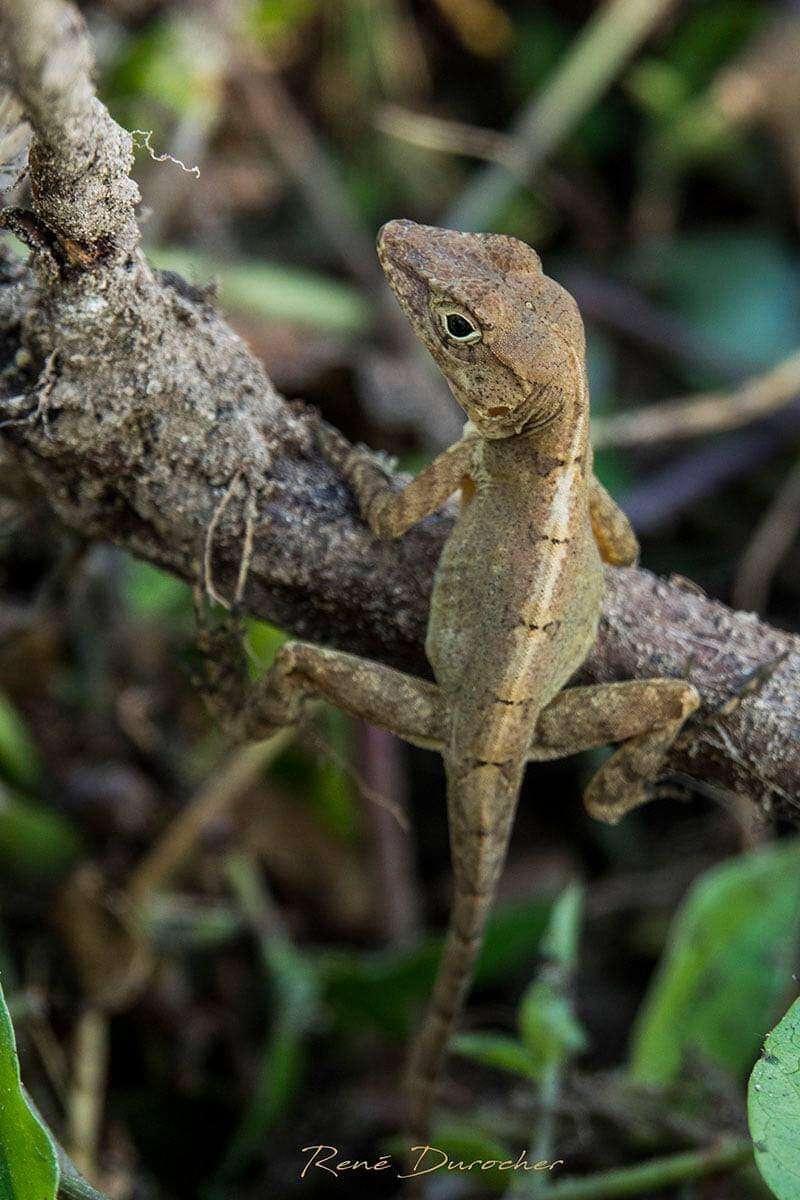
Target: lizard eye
(460, 328)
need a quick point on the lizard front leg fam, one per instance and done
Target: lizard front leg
(644, 715)
(612, 530)
(389, 510)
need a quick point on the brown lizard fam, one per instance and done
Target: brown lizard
(518, 591)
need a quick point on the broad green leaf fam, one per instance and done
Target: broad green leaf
(272, 291)
(28, 1165)
(773, 1107)
(497, 1050)
(19, 758)
(726, 969)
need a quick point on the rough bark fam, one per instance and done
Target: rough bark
(135, 410)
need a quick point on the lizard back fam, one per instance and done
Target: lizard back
(508, 629)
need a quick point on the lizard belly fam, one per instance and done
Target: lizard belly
(506, 634)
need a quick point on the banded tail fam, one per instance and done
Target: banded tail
(481, 804)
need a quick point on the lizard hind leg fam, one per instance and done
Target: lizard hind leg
(302, 673)
(644, 715)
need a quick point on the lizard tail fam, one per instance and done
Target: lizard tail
(481, 804)
(456, 968)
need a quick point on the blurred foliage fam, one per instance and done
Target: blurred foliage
(35, 842)
(714, 278)
(725, 969)
(19, 759)
(272, 292)
(386, 990)
(292, 965)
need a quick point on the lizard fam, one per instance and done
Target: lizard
(517, 595)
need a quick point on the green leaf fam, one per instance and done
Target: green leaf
(19, 758)
(550, 1031)
(264, 641)
(28, 1165)
(280, 1072)
(497, 1050)
(293, 988)
(726, 969)
(773, 1107)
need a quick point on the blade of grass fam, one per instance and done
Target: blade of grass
(606, 43)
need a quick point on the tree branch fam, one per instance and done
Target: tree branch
(135, 410)
(80, 159)
(678, 420)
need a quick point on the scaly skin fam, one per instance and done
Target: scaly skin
(518, 592)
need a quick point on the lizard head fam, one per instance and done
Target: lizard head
(506, 337)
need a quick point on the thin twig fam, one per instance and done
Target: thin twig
(448, 137)
(774, 534)
(703, 470)
(307, 163)
(396, 891)
(445, 136)
(87, 1095)
(208, 548)
(214, 800)
(677, 420)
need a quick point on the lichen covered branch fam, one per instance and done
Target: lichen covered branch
(80, 158)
